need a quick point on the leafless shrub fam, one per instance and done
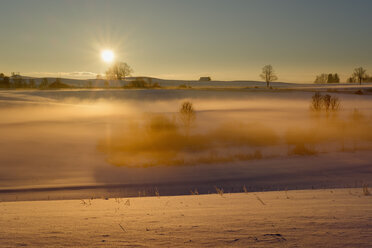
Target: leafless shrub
(335, 104)
(366, 190)
(286, 193)
(316, 102)
(331, 103)
(327, 103)
(86, 203)
(157, 192)
(187, 115)
(194, 192)
(219, 190)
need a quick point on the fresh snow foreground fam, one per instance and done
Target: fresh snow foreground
(309, 218)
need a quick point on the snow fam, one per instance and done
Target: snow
(49, 144)
(303, 218)
(50, 151)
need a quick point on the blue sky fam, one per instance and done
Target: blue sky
(185, 39)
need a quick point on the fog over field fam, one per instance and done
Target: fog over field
(264, 140)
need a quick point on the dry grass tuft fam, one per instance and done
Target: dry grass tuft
(260, 200)
(194, 192)
(86, 203)
(122, 228)
(157, 192)
(366, 190)
(219, 190)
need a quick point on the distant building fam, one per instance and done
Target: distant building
(205, 79)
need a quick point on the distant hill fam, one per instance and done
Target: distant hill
(59, 85)
(161, 82)
(68, 83)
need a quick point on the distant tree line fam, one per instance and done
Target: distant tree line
(121, 70)
(141, 83)
(327, 78)
(15, 81)
(359, 75)
(4, 81)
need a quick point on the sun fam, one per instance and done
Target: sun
(107, 56)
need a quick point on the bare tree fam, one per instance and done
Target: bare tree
(268, 74)
(359, 74)
(187, 115)
(119, 70)
(321, 79)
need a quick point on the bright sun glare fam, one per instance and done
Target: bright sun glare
(107, 56)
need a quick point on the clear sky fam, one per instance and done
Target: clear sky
(186, 39)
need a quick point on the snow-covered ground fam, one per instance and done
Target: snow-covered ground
(303, 218)
(84, 152)
(54, 143)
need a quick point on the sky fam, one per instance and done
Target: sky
(187, 39)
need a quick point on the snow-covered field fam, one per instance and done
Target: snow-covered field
(115, 168)
(303, 218)
(97, 143)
